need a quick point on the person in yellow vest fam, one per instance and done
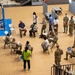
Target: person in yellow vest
(26, 57)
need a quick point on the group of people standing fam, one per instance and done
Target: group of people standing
(68, 24)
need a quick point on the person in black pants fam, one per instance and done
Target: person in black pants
(26, 58)
(29, 46)
(32, 30)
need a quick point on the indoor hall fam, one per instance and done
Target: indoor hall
(40, 63)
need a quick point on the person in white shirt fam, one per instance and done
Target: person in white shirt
(45, 45)
(55, 26)
(46, 42)
(34, 18)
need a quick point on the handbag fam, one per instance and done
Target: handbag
(22, 57)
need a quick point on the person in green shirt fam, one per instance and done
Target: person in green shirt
(26, 57)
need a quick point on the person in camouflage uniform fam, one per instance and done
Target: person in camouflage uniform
(15, 45)
(57, 55)
(65, 23)
(74, 37)
(7, 41)
(71, 26)
(43, 25)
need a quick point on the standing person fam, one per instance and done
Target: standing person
(57, 55)
(74, 42)
(50, 22)
(26, 54)
(55, 26)
(71, 26)
(43, 25)
(65, 23)
(34, 18)
(22, 28)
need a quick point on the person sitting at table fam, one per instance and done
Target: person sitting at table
(22, 28)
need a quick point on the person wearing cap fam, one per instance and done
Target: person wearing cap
(57, 55)
(22, 28)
